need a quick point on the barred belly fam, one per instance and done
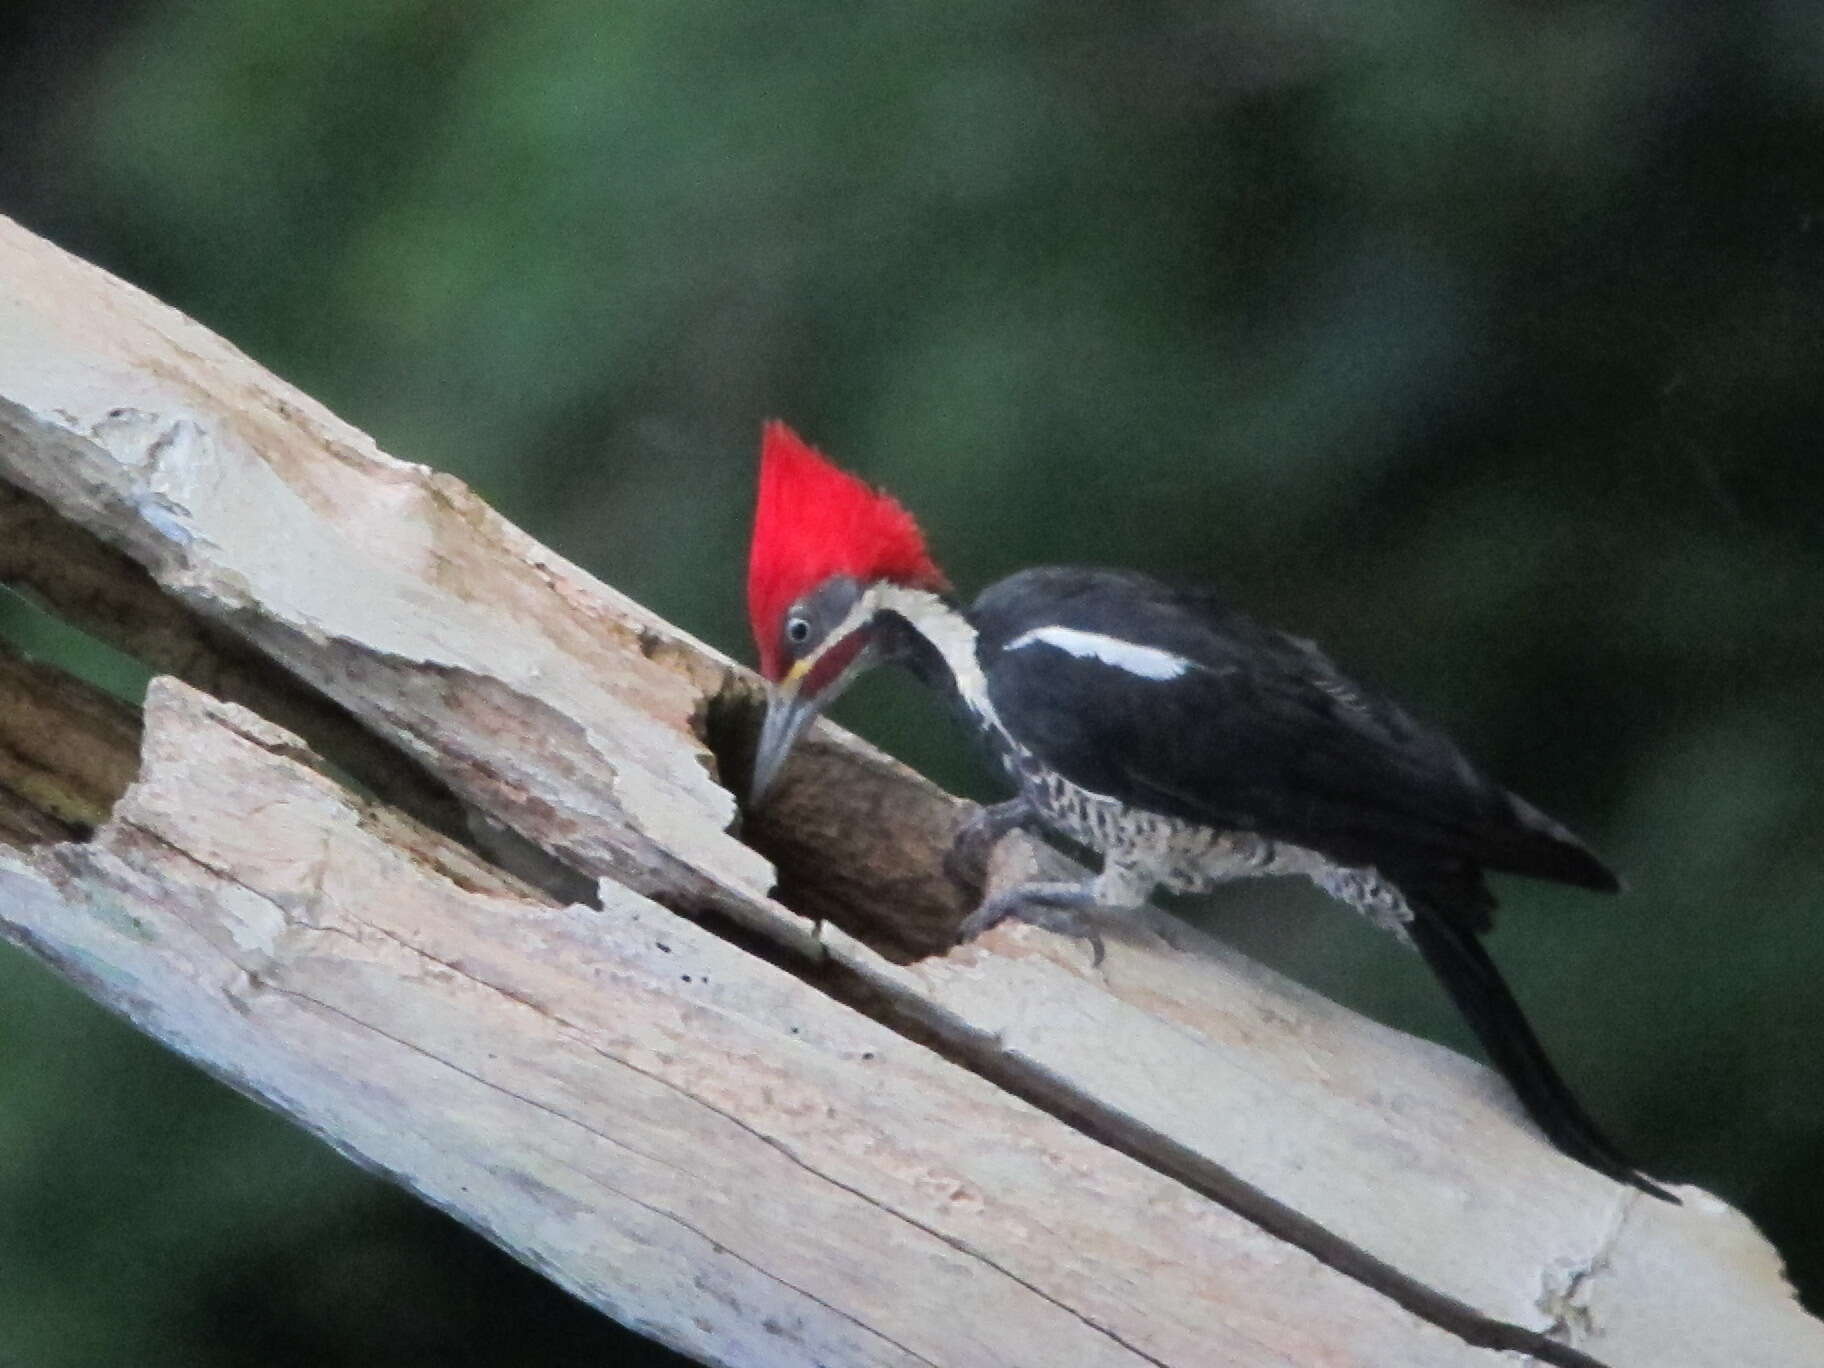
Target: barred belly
(1183, 857)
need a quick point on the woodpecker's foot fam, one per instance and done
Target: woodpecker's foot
(1061, 908)
(966, 862)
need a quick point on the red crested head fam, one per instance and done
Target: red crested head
(813, 522)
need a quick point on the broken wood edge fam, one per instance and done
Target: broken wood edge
(451, 863)
(76, 577)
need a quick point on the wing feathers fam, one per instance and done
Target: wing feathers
(1176, 703)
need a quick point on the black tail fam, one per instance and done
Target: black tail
(1456, 956)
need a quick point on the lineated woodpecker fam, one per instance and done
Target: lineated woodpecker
(1163, 731)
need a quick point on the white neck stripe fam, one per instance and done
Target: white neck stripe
(950, 635)
(1148, 662)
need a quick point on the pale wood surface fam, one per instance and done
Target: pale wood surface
(692, 1138)
(553, 708)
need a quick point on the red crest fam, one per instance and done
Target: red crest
(813, 521)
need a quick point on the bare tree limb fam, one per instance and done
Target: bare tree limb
(831, 1151)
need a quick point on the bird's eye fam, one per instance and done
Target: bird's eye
(798, 630)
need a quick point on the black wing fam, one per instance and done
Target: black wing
(1260, 733)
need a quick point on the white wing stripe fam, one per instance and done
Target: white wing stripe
(1148, 662)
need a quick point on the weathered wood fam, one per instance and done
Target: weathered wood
(557, 710)
(690, 1137)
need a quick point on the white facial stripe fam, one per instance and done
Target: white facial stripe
(1148, 662)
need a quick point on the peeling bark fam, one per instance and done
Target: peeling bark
(745, 1103)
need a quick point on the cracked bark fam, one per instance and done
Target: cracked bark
(704, 1079)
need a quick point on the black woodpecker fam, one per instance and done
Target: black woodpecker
(1178, 740)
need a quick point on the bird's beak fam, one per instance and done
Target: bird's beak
(808, 688)
(789, 711)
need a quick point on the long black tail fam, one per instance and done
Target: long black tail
(1445, 938)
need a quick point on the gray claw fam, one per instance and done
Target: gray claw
(1038, 906)
(966, 862)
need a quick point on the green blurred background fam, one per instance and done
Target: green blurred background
(1483, 343)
